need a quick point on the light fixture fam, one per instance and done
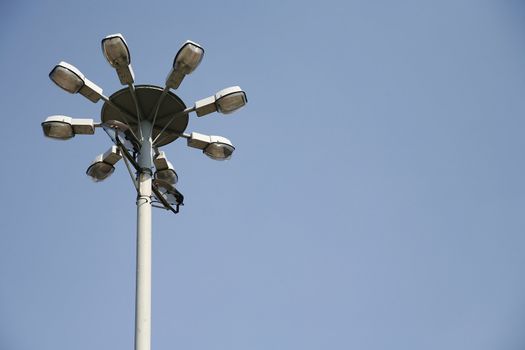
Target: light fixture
(61, 127)
(169, 192)
(186, 61)
(70, 79)
(225, 101)
(215, 147)
(103, 165)
(165, 171)
(117, 54)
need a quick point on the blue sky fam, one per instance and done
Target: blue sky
(375, 199)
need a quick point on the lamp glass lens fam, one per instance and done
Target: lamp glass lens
(232, 102)
(167, 175)
(116, 52)
(219, 151)
(100, 171)
(58, 130)
(66, 79)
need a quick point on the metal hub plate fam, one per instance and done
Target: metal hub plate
(147, 96)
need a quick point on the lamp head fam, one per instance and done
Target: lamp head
(215, 147)
(169, 193)
(117, 54)
(116, 50)
(225, 101)
(230, 99)
(58, 127)
(186, 61)
(189, 57)
(67, 77)
(220, 148)
(165, 170)
(70, 79)
(61, 127)
(103, 165)
(100, 170)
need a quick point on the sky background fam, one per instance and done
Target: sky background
(375, 199)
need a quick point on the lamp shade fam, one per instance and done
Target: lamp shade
(100, 170)
(67, 77)
(116, 50)
(220, 148)
(230, 99)
(189, 57)
(58, 127)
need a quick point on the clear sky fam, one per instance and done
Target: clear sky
(375, 199)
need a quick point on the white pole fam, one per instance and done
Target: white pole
(143, 282)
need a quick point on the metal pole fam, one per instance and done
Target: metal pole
(143, 282)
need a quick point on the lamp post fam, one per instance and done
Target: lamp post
(136, 138)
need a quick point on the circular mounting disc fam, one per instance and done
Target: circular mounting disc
(147, 96)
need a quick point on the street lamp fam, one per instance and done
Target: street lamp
(137, 137)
